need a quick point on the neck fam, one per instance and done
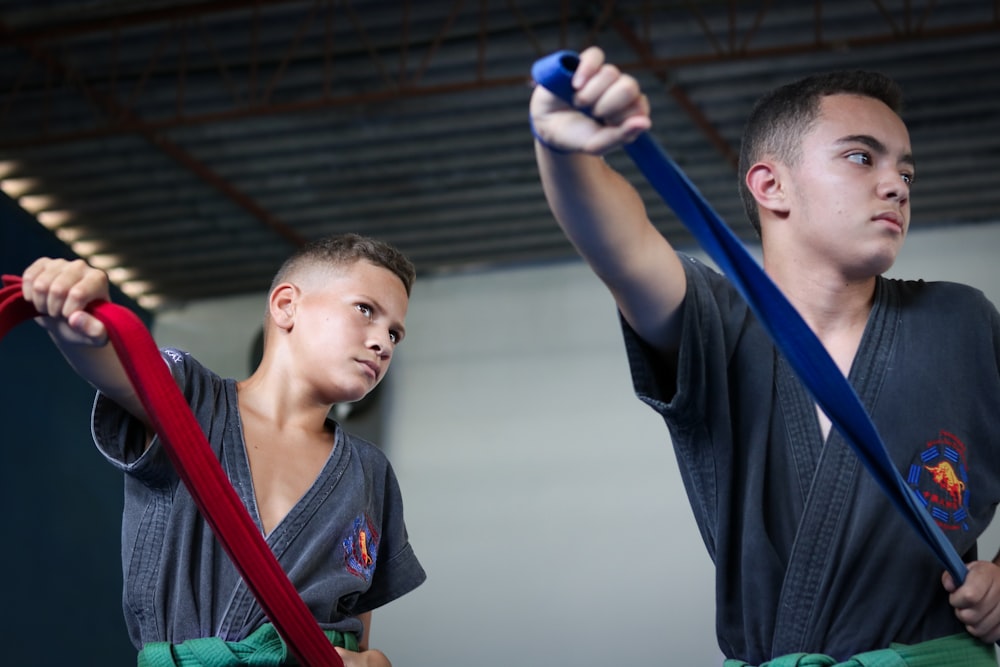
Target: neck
(830, 302)
(280, 404)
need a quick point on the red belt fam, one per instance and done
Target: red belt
(200, 471)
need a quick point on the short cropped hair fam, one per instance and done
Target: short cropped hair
(345, 249)
(781, 118)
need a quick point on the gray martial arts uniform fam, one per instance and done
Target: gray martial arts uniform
(810, 555)
(344, 544)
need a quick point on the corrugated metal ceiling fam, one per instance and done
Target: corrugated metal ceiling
(195, 144)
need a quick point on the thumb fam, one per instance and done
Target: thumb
(88, 326)
(948, 582)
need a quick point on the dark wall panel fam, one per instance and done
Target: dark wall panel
(62, 503)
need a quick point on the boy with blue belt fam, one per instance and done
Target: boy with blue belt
(812, 563)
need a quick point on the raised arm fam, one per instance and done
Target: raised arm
(600, 212)
(60, 290)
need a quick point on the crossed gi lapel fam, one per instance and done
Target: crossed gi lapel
(832, 474)
(243, 612)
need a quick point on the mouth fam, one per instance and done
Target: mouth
(895, 219)
(373, 368)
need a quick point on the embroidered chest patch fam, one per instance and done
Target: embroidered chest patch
(361, 548)
(940, 477)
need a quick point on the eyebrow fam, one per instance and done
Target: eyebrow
(877, 146)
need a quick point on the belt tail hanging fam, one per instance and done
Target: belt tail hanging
(200, 471)
(807, 356)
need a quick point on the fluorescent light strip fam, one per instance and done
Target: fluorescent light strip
(43, 206)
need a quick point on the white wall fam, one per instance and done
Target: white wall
(541, 496)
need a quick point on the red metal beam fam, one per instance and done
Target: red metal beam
(114, 110)
(407, 82)
(679, 94)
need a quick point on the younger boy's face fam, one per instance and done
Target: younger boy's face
(348, 323)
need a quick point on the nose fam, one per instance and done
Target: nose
(892, 186)
(381, 344)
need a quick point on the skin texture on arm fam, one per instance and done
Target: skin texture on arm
(60, 290)
(599, 211)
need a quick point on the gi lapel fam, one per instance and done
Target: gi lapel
(243, 612)
(813, 559)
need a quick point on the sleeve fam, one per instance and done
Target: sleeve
(692, 395)
(398, 571)
(121, 438)
(713, 315)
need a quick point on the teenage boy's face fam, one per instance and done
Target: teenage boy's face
(851, 193)
(349, 323)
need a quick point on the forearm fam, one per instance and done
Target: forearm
(99, 366)
(599, 211)
(605, 219)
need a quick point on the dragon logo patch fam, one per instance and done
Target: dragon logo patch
(361, 548)
(941, 479)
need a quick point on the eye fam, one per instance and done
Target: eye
(394, 336)
(860, 157)
(365, 309)
(908, 178)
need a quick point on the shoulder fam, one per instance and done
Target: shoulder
(180, 358)
(365, 448)
(185, 367)
(705, 281)
(940, 295)
(367, 453)
(933, 287)
(942, 306)
(712, 303)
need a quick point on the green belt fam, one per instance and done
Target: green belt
(263, 648)
(961, 650)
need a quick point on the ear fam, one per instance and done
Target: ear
(766, 183)
(281, 305)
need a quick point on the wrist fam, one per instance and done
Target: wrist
(542, 141)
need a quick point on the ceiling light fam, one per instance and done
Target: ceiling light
(35, 204)
(53, 219)
(86, 248)
(150, 301)
(8, 167)
(41, 207)
(121, 274)
(136, 288)
(17, 187)
(104, 261)
(69, 235)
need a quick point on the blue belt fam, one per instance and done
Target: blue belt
(807, 356)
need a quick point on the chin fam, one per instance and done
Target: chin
(354, 396)
(879, 260)
(872, 268)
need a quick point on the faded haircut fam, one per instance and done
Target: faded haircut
(781, 118)
(344, 250)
